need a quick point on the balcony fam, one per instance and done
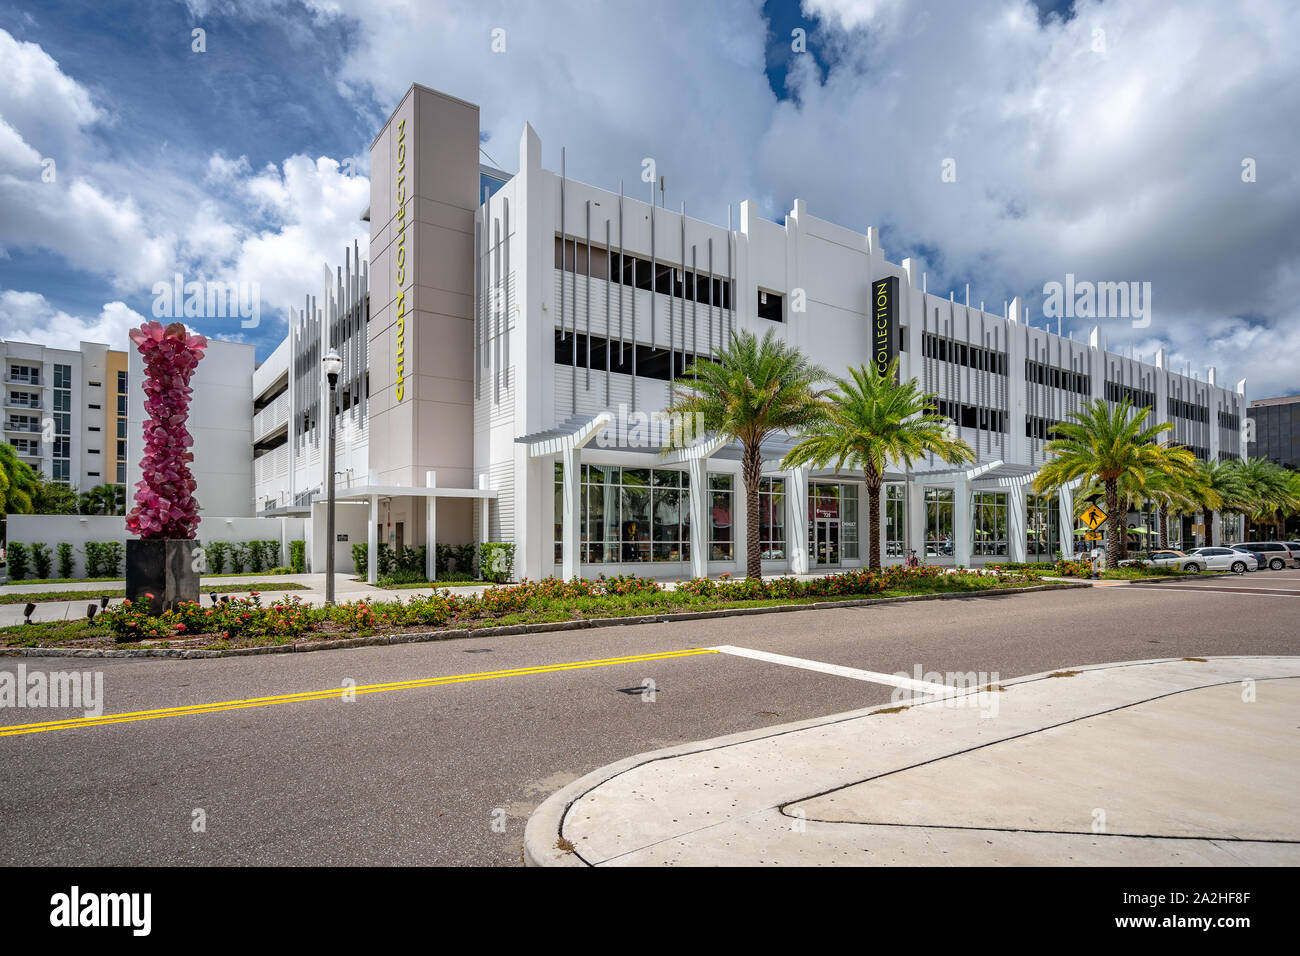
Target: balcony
(11, 402)
(275, 416)
(12, 426)
(33, 382)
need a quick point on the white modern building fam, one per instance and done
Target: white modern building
(508, 344)
(65, 411)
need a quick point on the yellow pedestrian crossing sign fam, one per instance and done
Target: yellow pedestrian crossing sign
(1094, 517)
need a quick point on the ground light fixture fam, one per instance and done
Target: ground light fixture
(332, 365)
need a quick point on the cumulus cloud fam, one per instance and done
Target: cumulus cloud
(30, 317)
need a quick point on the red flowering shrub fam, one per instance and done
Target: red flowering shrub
(164, 497)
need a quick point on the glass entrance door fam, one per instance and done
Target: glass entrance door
(826, 547)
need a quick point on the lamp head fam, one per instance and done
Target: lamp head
(333, 364)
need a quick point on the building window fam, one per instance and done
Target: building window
(989, 528)
(1044, 531)
(628, 515)
(895, 508)
(770, 306)
(771, 518)
(721, 540)
(938, 523)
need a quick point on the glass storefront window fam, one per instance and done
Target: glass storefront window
(989, 524)
(938, 523)
(771, 518)
(629, 515)
(849, 522)
(1044, 531)
(895, 515)
(721, 533)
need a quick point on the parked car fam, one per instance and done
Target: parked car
(1261, 562)
(1166, 558)
(1227, 559)
(1276, 553)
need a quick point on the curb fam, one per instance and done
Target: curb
(543, 831)
(428, 637)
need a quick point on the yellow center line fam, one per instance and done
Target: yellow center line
(334, 692)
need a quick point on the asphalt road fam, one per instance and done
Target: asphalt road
(448, 773)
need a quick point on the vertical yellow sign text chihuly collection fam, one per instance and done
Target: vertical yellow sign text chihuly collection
(401, 257)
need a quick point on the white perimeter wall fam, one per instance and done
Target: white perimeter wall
(76, 530)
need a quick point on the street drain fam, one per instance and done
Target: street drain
(479, 650)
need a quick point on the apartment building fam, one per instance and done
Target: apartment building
(65, 411)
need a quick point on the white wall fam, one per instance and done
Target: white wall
(76, 530)
(221, 421)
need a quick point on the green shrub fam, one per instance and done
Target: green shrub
(41, 559)
(298, 556)
(401, 576)
(497, 561)
(454, 559)
(214, 553)
(238, 558)
(66, 562)
(103, 558)
(360, 556)
(280, 570)
(19, 562)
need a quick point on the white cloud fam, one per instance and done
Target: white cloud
(30, 317)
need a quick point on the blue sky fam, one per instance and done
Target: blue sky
(248, 160)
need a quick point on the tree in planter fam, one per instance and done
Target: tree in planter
(166, 515)
(18, 559)
(41, 560)
(298, 557)
(113, 553)
(1107, 444)
(66, 562)
(214, 554)
(871, 420)
(752, 390)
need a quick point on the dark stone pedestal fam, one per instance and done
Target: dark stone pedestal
(163, 568)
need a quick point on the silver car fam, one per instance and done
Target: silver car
(1276, 553)
(1166, 558)
(1224, 559)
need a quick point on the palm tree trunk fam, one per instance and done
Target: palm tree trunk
(752, 471)
(1114, 523)
(874, 487)
(1164, 527)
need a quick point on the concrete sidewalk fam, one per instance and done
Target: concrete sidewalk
(1145, 763)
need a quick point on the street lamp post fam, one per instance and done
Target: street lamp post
(333, 365)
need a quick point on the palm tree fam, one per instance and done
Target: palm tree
(1107, 443)
(871, 419)
(103, 500)
(1221, 482)
(751, 390)
(18, 483)
(1267, 491)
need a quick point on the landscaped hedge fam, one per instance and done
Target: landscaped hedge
(103, 558)
(247, 617)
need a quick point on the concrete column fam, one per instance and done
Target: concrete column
(963, 523)
(701, 516)
(571, 502)
(484, 513)
(1017, 521)
(1065, 503)
(797, 495)
(430, 528)
(916, 518)
(372, 542)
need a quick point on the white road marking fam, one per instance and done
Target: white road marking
(893, 680)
